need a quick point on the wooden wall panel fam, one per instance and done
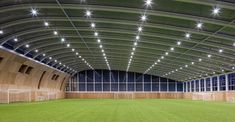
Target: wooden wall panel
(211, 96)
(10, 78)
(123, 95)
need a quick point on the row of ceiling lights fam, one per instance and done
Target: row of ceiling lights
(88, 14)
(34, 12)
(199, 26)
(143, 19)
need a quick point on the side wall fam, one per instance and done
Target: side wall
(36, 85)
(228, 96)
(124, 95)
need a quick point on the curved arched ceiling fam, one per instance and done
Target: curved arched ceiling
(37, 28)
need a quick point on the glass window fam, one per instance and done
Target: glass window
(208, 84)
(179, 86)
(202, 85)
(192, 86)
(231, 81)
(155, 83)
(171, 84)
(163, 84)
(197, 85)
(222, 82)
(214, 84)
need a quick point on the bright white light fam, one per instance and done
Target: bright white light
(140, 29)
(55, 33)
(162, 57)
(50, 58)
(73, 50)
(55, 60)
(137, 37)
(80, 56)
(172, 48)
(179, 43)
(186, 65)
(148, 2)
(216, 11)
(98, 40)
(36, 51)
(143, 18)
(158, 60)
(76, 53)
(101, 46)
(44, 55)
(209, 56)
(199, 25)
(68, 45)
(46, 24)
(199, 59)
(220, 51)
(187, 35)
(96, 34)
(166, 53)
(27, 45)
(62, 39)
(34, 12)
(1, 32)
(15, 39)
(88, 13)
(133, 49)
(192, 63)
(222, 70)
(233, 67)
(234, 44)
(102, 50)
(135, 43)
(93, 25)
(132, 53)
(103, 54)
(213, 72)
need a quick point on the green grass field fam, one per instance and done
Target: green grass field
(118, 111)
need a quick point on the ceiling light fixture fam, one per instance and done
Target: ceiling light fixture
(215, 11)
(34, 12)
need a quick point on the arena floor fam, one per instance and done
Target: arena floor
(118, 111)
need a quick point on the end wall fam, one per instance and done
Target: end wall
(15, 86)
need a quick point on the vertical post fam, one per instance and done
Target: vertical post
(176, 86)
(199, 81)
(110, 81)
(159, 86)
(77, 81)
(151, 85)
(167, 85)
(226, 82)
(190, 85)
(118, 82)
(218, 84)
(94, 80)
(126, 81)
(211, 88)
(134, 82)
(86, 80)
(102, 81)
(186, 86)
(143, 83)
(194, 85)
(204, 84)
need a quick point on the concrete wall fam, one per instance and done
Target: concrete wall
(20, 84)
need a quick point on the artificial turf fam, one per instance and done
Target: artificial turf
(148, 110)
